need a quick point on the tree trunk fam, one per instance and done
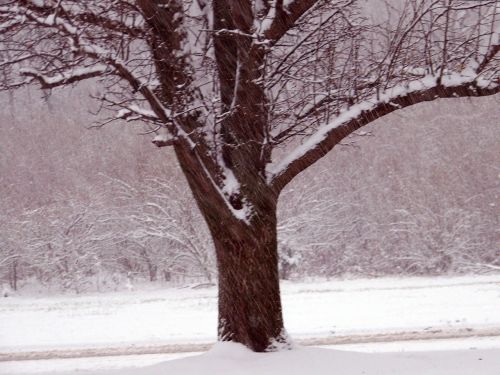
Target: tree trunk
(13, 276)
(249, 296)
(247, 259)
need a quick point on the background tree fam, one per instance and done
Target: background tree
(160, 227)
(316, 226)
(227, 84)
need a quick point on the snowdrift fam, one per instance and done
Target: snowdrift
(235, 359)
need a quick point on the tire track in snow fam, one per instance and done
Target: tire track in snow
(400, 287)
(429, 334)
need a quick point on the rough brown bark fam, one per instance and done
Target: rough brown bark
(247, 256)
(249, 296)
(249, 307)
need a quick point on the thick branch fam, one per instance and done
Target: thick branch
(285, 18)
(226, 51)
(110, 24)
(319, 144)
(9, 25)
(488, 58)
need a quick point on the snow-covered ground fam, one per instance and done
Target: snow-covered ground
(312, 310)
(449, 357)
(101, 364)
(173, 316)
(235, 359)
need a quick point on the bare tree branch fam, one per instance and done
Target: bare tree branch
(319, 144)
(65, 78)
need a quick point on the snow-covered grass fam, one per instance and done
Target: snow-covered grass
(311, 309)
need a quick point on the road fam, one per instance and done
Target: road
(428, 334)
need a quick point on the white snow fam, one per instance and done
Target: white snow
(8, 24)
(101, 364)
(311, 309)
(268, 20)
(142, 111)
(69, 365)
(232, 359)
(228, 358)
(231, 184)
(162, 138)
(49, 21)
(58, 78)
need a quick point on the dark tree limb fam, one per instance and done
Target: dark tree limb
(62, 79)
(337, 134)
(286, 17)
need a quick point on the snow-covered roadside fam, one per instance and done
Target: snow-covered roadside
(68, 366)
(233, 359)
(229, 358)
(312, 309)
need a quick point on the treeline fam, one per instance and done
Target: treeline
(90, 210)
(149, 231)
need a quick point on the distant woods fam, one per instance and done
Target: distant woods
(85, 210)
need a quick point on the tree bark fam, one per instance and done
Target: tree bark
(250, 310)
(249, 296)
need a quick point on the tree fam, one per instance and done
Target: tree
(161, 226)
(10, 255)
(57, 243)
(313, 223)
(231, 85)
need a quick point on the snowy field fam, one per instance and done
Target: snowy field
(322, 310)
(176, 316)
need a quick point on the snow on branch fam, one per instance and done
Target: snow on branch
(108, 60)
(111, 24)
(23, 14)
(281, 16)
(270, 17)
(451, 85)
(65, 78)
(133, 111)
(9, 258)
(81, 46)
(8, 25)
(230, 187)
(163, 140)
